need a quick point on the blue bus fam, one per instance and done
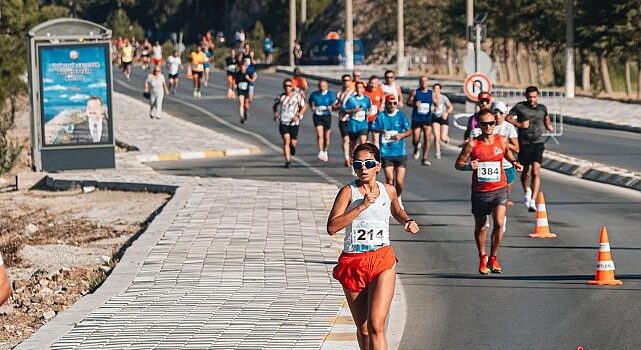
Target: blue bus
(332, 52)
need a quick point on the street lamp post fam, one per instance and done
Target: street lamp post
(292, 30)
(569, 50)
(349, 36)
(400, 31)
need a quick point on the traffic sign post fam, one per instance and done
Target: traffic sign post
(475, 84)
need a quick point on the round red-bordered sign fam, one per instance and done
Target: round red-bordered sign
(475, 84)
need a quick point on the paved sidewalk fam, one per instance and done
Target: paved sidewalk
(169, 138)
(584, 111)
(227, 264)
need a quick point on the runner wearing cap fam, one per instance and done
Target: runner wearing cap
(365, 268)
(508, 131)
(489, 194)
(390, 129)
(473, 130)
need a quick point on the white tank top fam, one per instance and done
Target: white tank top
(370, 230)
(390, 90)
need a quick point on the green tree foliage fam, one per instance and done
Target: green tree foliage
(122, 26)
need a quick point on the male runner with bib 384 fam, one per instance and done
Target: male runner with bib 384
(365, 269)
(489, 186)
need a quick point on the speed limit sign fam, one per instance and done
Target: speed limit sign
(475, 84)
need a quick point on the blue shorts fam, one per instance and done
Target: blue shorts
(510, 174)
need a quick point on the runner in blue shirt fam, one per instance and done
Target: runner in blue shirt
(390, 129)
(422, 118)
(357, 108)
(322, 102)
(268, 48)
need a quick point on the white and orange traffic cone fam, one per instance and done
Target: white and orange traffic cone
(541, 230)
(604, 275)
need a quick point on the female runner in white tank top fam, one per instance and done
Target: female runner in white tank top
(366, 267)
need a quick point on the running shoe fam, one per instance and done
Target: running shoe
(292, 149)
(246, 114)
(325, 156)
(288, 164)
(417, 153)
(532, 207)
(199, 95)
(242, 120)
(438, 155)
(321, 155)
(195, 93)
(493, 265)
(528, 197)
(426, 162)
(483, 270)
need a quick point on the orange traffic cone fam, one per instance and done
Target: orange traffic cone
(604, 275)
(188, 73)
(541, 230)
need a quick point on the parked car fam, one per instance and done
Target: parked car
(332, 52)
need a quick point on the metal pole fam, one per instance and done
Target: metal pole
(349, 36)
(569, 49)
(400, 31)
(292, 30)
(469, 21)
(303, 11)
(477, 46)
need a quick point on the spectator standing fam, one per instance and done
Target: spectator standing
(156, 87)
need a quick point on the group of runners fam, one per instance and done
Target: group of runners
(368, 112)
(363, 208)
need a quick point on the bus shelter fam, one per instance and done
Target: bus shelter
(70, 85)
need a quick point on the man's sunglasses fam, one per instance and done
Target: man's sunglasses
(288, 85)
(483, 124)
(359, 164)
(391, 103)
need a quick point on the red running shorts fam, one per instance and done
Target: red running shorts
(355, 271)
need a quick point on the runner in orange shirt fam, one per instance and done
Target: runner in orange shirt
(376, 94)
(300, 84)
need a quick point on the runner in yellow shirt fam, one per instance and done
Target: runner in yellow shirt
(127, 57)
(198, 59)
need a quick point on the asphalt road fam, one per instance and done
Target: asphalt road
(541, 301)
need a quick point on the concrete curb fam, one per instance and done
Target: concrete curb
(123, 273)
(592, 171)
(160, 157)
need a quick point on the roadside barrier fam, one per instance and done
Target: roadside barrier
(604, 275)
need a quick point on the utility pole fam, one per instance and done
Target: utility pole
(469, 21)
(569, 49)
(349, 36)
(303, 11)
(400, 32)
(292, 30)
